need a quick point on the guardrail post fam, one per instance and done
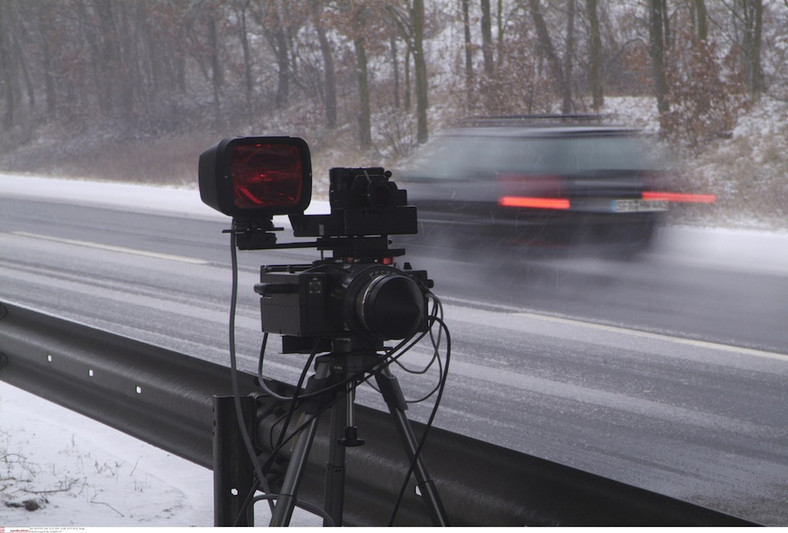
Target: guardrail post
(233, 473)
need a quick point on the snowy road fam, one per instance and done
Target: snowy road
(667, 373)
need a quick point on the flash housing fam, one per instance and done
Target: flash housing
(257, 177)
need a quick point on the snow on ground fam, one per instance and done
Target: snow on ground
(59, 468)
(173, 200)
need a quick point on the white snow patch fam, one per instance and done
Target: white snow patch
(78, 472)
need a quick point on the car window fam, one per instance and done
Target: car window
(472, 157)
(583, 154)
(464, 157)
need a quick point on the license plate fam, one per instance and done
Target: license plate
(636, 205)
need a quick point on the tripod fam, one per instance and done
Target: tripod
(338, 367)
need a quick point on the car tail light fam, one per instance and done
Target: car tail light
(656, 182)
(532, 191)
(534, 202)
(680, 197)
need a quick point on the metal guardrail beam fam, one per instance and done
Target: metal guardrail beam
(165, 398)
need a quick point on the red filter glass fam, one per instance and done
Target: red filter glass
(266, 176)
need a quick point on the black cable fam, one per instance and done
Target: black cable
(260, 379)
(296, 397)
(434, 389)
(437, 310)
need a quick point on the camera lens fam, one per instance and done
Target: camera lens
(391, 306)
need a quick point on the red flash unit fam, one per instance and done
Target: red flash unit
(257, 177)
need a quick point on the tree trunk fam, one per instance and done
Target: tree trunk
(217, 74)
(701, 19)
(499, 24)
(595, 57)
(657, 52)
(752, 13)
(466, 21)
(362, 77)
(420, 65)
(566, 106)
(408, 99)
(129, 77)
(6, 71)
(330, 97)
(487, 53)
(547, 49)
(757, 77)
(364, 119)
(394, 67)
(248, 82)
(283, 64)
(109, 61)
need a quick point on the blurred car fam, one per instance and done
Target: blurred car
(538, 180)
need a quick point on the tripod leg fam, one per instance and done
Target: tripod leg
(285, 503)
(392, 394)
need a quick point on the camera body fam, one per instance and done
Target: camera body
(336, 300)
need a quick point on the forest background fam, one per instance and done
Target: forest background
(135, 90)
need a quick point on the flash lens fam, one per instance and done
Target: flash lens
(266, 175)
(256, 178)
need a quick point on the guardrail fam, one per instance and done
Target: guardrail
(165, 398)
